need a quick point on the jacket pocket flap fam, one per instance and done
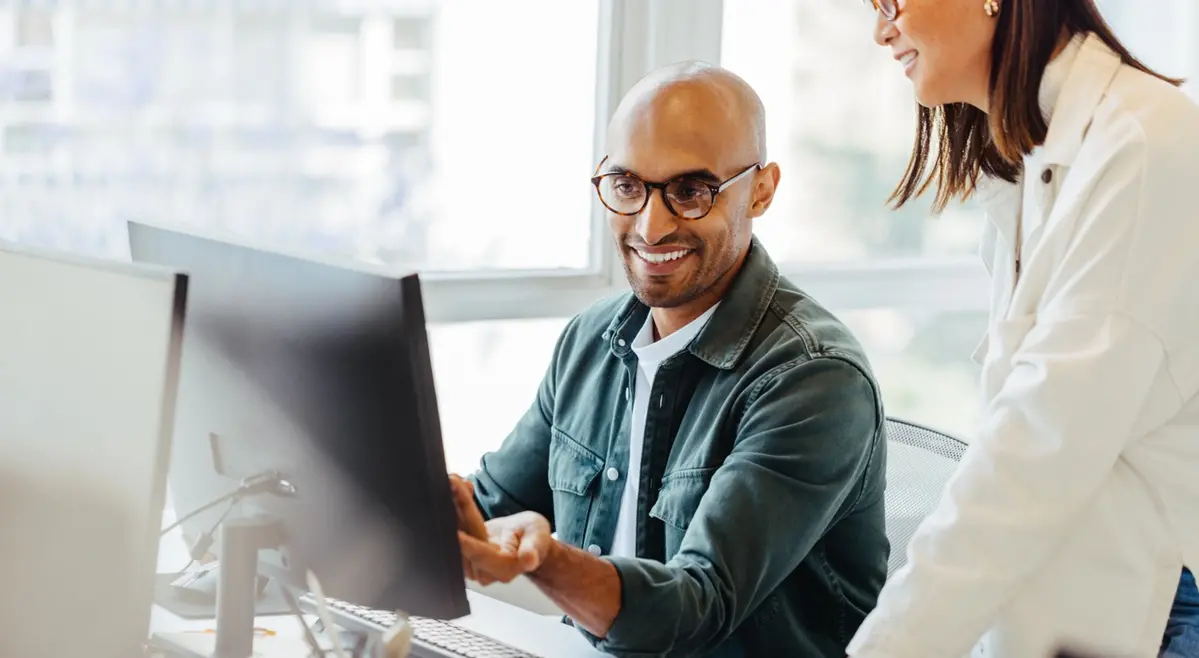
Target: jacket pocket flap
(1009, 334)
(572, 466)
(680, 495)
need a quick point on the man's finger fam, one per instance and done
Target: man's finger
(508, 540)
(532, 550)
(482, 553)
(529, 558)
(470, 518)
(462, 482)
(487, 560)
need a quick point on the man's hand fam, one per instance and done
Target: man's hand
(585, 587)
(470, 519)
(500, 549)
(515, 545)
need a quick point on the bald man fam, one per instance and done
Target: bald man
(708, 450)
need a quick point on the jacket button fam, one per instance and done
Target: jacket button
(594, 550)
(620, 341)
(1047, 176)
(613, 474)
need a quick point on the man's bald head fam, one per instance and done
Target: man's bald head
(687, 145)
(700, 102)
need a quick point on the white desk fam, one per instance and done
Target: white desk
(539, 635)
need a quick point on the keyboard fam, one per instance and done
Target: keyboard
(431, 638)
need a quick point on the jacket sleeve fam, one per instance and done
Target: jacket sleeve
(802, 447)
(1071, 403)
(515, 478)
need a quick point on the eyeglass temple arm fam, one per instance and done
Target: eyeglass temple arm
(723, 186)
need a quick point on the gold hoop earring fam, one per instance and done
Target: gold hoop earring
(991, 7)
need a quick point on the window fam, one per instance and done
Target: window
(451, 137)
(420, 133)
(839, 123)
(1166, 38)
(34, 28)
(456, 137)
(923, 364)
(487, 375)
(840, 118)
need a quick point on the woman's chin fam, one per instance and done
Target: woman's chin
(930, 98)
(931, 95)
(927, 95)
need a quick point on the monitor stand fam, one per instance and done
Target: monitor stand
(236, 596)
(196, 599)
(237, 591)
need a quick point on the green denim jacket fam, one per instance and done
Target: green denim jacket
(760, 508)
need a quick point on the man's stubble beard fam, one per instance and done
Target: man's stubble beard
(689, 294)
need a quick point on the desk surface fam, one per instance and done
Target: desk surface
(538, 634)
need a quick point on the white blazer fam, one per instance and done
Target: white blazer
(1077, 503)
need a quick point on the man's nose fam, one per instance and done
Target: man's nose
(656, 222)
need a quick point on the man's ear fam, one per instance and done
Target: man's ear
(765, 185)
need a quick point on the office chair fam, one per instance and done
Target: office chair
(919, 462)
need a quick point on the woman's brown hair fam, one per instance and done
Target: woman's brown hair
(969, 142)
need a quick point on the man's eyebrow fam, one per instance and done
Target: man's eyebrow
(701, 174)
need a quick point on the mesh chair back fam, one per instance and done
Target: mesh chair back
(919, 463)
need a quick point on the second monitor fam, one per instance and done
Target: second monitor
(321, 373)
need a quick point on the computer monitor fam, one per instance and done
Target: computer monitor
(89, 360)
(319, 372)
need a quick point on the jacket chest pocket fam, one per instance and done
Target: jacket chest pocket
(678, 499)
(573, 469)
(1003, 340)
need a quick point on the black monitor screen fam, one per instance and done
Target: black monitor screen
(321, 373)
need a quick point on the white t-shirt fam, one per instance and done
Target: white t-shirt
(650, 355)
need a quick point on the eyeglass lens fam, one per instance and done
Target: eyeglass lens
(627, 195)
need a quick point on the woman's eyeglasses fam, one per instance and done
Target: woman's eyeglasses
(888, 8)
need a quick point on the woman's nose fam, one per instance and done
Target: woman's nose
(884, 30)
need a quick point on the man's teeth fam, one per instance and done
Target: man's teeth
(663, 258)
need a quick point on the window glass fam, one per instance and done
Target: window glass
(453, 135)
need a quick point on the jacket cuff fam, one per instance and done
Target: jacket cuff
(631, 631)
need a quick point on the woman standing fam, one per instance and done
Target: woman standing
(1076, 507)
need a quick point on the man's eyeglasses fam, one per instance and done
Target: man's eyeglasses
(687, 197)
(888, 8)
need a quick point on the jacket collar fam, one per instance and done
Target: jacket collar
(1074, 90)
(1074, 84)
(723, 341)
